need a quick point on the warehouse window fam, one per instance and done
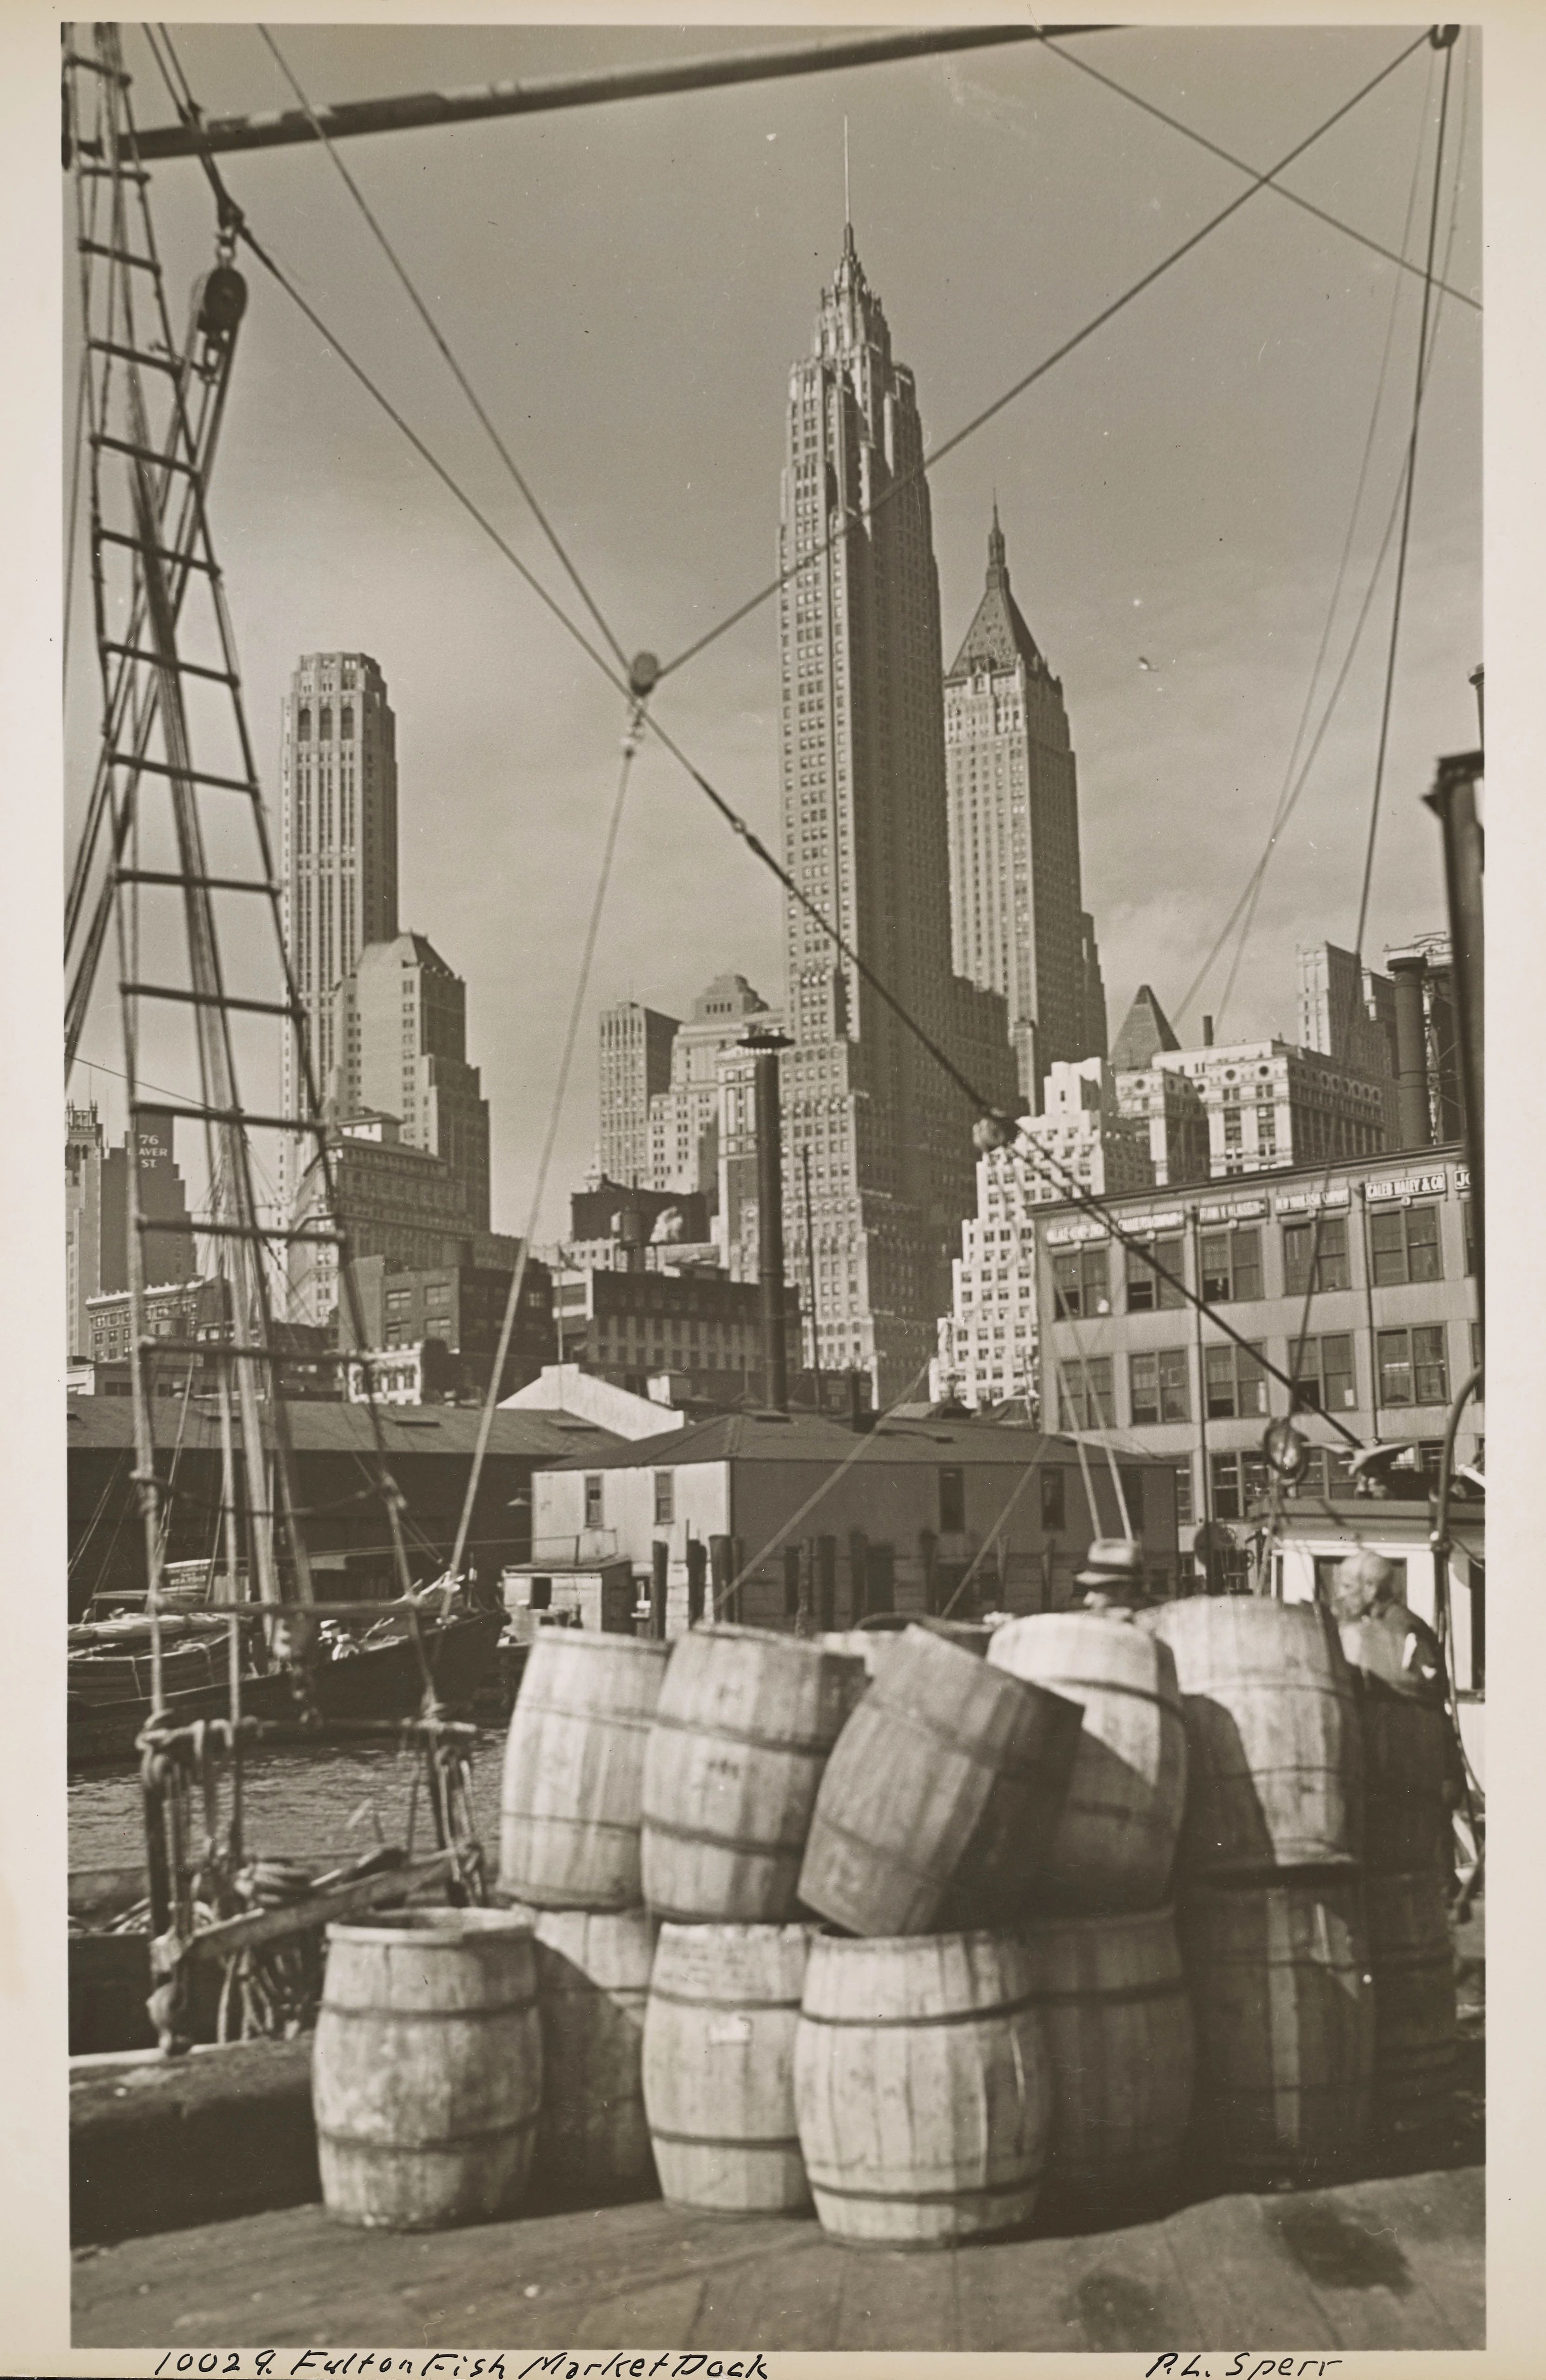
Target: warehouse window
(593, 1500)
(1239, 1481)
(1185, 1516)
(952, 1502)
(1404, 1245)
(1323, 1375)
(1051, 1499)
(1412, 1370)
(1081, 1280)
(1231, 1266)
(1157, 1386)
(1147, 1292)
(665, 1499)
(1235, 1384)
(1329, 1253)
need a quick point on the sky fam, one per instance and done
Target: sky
(627, 288)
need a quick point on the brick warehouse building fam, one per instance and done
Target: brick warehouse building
(1391, 1337)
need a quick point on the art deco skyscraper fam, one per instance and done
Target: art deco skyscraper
(863, 779)
(1018, 923)
(338, 848)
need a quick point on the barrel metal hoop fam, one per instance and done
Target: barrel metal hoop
(638, 1721)
(430, 2016)
(1023, 2184)
(737, 2008)
(791, 1852)
(943, 2017)
(724, 2139)
(893, 1857)
(1100, 1686)
(1025, 1764)
(365, 2145)
(806, 1746)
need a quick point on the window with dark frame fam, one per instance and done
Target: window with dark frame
(1185, 1512)
(593, 1500)
(1159, 1387)
(1052, 1502)
(1148, 1291)
(1239, 1481)
(1231, 1265)
(1333, 1269)
(953, 1500)
(665, 1499)
(1413, 1368)
(1234, 1386)
(1324, 1381)
(1081, 1280)
(1404, 1245)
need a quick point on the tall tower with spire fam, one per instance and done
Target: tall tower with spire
(886, 1132)
(1018, 921)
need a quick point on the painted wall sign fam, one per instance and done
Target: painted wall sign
(1148, 1227)
(1407, 1186)
(1307, 1202)
(1059, 1235)
(1231, 1211)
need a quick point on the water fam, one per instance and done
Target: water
(296, 1804)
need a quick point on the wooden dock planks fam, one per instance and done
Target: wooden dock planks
(1385, 2264)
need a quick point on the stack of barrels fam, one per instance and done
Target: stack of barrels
(923, 2087)
(1271, 1916)
(914, 1935)
(1406, 1745)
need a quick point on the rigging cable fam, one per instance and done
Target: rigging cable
(1214, 148)
(1027, 379)
(436, 333)
(1278, 814)
(631, 740)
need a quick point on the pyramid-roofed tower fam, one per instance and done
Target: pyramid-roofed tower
(1145, 1030)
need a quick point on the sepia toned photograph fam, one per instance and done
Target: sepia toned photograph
(773, 1190)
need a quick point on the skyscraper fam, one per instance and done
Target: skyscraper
(636, 1045)
(863, 783)
(400, 1038)
(1018, 923)
(338, 841)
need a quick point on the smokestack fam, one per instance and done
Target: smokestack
(770, 1216)
(1411, 1052)
(1207, 1032)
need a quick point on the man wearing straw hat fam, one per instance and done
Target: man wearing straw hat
(1113, 1575)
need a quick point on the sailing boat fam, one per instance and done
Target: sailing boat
(176, 863)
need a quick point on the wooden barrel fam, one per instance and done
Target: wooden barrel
(592, 1978)
(574, 1768)
(923, 2088)
(719, 2067)
(1406, 1741)
(939, 1806)
(1112, 1996)
(1285, 2016)
(427, 2068)
(741, 1734)
(1115, 1842)
(1274, 1754)
(1411, 1958)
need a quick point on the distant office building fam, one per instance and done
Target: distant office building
(702, 1329)
(453, 1314)
(988, 1341)
(176, 1310)
(397, 1201)
(685, 1117)
(1243, 1107)
(635, 1065)
(337, 846)
(1018, 923)
(400, 1044)
(862, 767)
(1347, 1011)
(97, 1216)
